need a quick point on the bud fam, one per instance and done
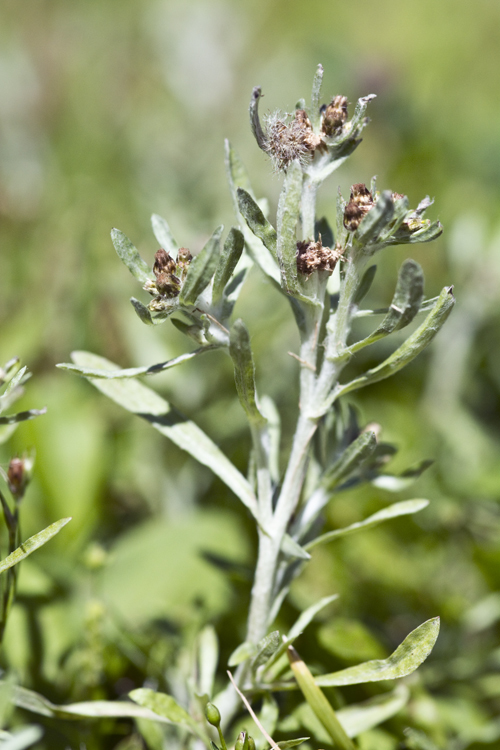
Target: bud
(359, 204)
(251, 743)
(312, 256)
(334, 116)
(19, 476)
(184, 259)
(212, 714)
(167, 284)
(241, 742)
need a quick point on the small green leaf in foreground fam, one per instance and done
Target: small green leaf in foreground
(33, 543)
(414, 650)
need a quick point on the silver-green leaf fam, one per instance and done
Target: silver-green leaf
(201, 270)
(128, 253)
(414, 650)
(138, 399)
(163, 235)
(244, 371)
(32, 544)
(404, 508)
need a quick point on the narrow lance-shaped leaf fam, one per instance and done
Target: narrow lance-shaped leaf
(164, 705)
(22, 416)
(404, 306)
(314, 114)
(365, 284)
(318, 702)
(163, 235)
(32, 544)
(208, 656)
(404, 508)
(376, 219)
(352, 459)
(426, 234)
(241, 653)
(142, 311)
(414, 650)
(288, 214)
(231, 253)
(257, 222)
(128, 253)
(285, 744)
(244, 370)
(238, 178)
(133, 372)
(201, 269)
(138, 399)
(309, 614)
(411, 348)
(36, 703)
(266, 648)
(254, 118)
(8, 395)
(21, 739)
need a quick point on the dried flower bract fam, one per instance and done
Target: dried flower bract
(286, 142)
(361, 201)
(313, 256)
(334, 116)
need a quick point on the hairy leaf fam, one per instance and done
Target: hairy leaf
(414, 650)
(360, 717)
(257, 222)
(404, 508)
(309, 614)
(163, 235)
(201, 269)
(231, 253)
(314, 114)
(411, 348)
(134, 372)
(128, 253)
(138, 399)
(288, 215)
(244, 370)
(33, 543)
(354, 457)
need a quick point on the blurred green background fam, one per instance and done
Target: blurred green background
(111, 110)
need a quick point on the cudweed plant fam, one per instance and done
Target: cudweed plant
(298, 254)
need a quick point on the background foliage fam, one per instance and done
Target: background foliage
(111, 111)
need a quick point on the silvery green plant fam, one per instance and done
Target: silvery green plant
(300, 255)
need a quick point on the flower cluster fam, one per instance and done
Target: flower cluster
(169, 276)
(313, 256)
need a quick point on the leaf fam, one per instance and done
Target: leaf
(133, 372)
(314, 114)
(318, 701)
(36, 703)
(354, 458)
(376, 219)
(238, 178)
(231, 253)
(201, 269)
(243, 652)
(405, 304)
(292, 743)
(291, 548)
(427, 234)
(408, 656)
(365, 284)
(257, 222)
(267, 647)
(22, 738)
(244, 371)
(411, 348)
(142, 311)
(361, 717)
(6, 397)
(164, 705)
(309, 614)
(270, 412)
(129, 254)
(254, 118)
(163, 235)
(33, 543)
(138, 399)
(22, 416)
(404, 508)
(288, 215)
(323, 228)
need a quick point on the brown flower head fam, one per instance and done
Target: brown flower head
(334, 116)
(313, 256)
(167, 283)
(361, 201)
(286, 142)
